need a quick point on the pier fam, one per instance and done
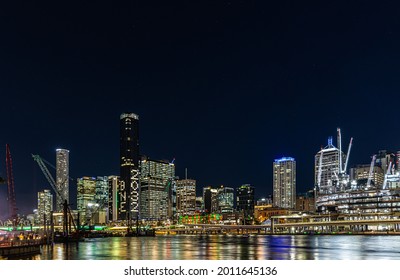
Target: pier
(17, 248)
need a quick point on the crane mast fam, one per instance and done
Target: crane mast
(339, 135)
(386, 175)
(348, 155)
(371, 168)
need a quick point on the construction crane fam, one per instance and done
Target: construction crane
(12, 204)
(371, 169)
(339, 135)
(343, 177)
(348, 155)
(386, 175)
(53, 184)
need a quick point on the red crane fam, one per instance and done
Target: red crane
(12, 204)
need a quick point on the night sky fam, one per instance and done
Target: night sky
(225, 87)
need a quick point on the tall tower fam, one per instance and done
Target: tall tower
(45, 206)
(328, 182)
(129, 167)
(185, 197)
(156, 182)
(245, 202)
(113, 201)
(62, 178)
(225, 198)
(86, 187)
(285, 183)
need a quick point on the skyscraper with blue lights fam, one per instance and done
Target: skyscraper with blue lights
(284, 183)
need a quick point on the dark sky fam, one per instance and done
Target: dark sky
(222, 86)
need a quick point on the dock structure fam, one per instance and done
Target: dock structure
(20, 248)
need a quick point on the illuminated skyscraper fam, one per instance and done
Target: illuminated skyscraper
(157, 181)
(45, 206)
(285, 183)
(225, 199)
(113, 192)
(329, 169)
(210, 199)
(101, 196)
(185, 197)
(129, 163)
(86, 202)
(62, 178)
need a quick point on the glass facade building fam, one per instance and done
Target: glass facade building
(86, 202)
(157, 181)
(245, 201)
(45, 207)
(185, 197)
(62, 178)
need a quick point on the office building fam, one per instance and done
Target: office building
(305, 202)
(210, 202)
(129, 167)
(329, 172)
(384, 159)
(245, 201)
(265, 201)
(113, 194)
(284, 183)
(157, 182)
(360, 174)
(185, 197)
(45, 207)
(225, 199)
(199, 204)
(62, 178)
(86, 203)
(101, 199)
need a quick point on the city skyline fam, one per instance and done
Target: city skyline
(224, 88)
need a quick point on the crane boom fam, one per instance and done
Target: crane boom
(371, 168)
(348, 155)
(53, 185)
(47, 174)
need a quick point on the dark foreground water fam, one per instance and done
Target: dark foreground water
(214, 247)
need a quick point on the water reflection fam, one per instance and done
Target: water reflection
(218, 247)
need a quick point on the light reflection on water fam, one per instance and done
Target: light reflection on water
(217, 247)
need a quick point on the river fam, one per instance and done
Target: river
(219, 247)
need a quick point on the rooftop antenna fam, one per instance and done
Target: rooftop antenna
(186, 173)
(330, 141)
